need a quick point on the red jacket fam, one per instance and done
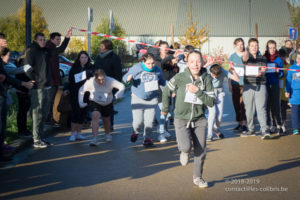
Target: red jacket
(54, 60)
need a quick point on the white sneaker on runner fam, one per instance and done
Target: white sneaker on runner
(108, 137)
(161, 138)
(200, 182)
(72, 137)
(80, 137)
(94, 142)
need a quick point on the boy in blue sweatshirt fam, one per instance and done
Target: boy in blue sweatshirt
(292, 91)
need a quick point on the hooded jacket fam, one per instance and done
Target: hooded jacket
(184, 110)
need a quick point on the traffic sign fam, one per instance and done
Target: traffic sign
(293, 33)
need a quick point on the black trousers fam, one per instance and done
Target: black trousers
(24, 106)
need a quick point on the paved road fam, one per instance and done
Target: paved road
(122, 170)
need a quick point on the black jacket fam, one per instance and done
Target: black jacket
(74, 87)
(111, 65)
(8, 81)
(38, 59)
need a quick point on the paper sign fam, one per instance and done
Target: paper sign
(239, 70)
(269, 70)
(252, 70)
(192, 98)
(80, 76)
(151, 86)
(101, 97)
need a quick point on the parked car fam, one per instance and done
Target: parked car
(65, 60)
(64, 69)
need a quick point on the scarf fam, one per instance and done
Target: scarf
(103, 55)
(271, 57)
(147, 69)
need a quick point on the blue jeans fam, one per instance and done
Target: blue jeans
(295, 116)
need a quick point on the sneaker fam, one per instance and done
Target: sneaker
(200, 182)
(273, 129)
(251, 133)
(147, 142)
(94, 142)
(244, 129)
(295, 132)
(40, 144)
(237, 128)
(184, 158)
(220, 135)
(280, 132)
(209, 139)
(72, 137)
(167, 134)
(108, 137)
(80, 137)
(134, 137)
(161, 138)
(265, 136)
(244, 134)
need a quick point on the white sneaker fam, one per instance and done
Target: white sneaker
(94, 142)
(184, 158)
(72, 137)
(108, 137)
(80, 137)
(167, 134)
(161, 138)
(200, 182)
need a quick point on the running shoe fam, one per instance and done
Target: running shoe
(147, 142)
(134, 137)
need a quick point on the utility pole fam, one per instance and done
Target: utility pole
(250, 19)
(90, 19)
(28, 23)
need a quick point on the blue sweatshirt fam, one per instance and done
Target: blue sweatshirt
(140, 77)
(292, 84)
(273, 76)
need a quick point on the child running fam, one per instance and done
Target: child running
(146, 79)
(100, 101)
(194, 91)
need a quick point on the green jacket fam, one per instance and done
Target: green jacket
(184, 110)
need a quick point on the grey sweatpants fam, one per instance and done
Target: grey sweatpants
(143, 112)
(197, 135)
(255, 97)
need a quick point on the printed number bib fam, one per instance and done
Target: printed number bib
(80, 76)
(271, 70)
(151, 86)
(239, 70)
(192, 98)
(251, 70)
(102, 97)
(296, 81)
